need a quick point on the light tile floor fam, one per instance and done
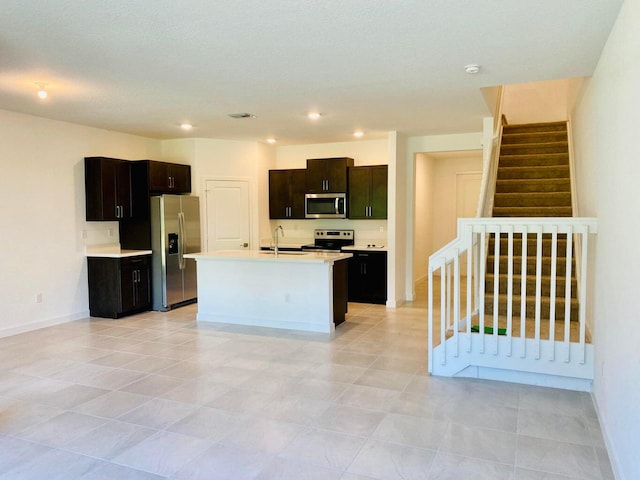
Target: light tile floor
(159, 396)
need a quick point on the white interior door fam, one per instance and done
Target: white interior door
(228, 221)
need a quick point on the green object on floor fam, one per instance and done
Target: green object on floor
(488, 330)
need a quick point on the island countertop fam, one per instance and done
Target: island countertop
(293, 290)
(270, 256)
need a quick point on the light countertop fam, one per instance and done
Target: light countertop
(113, 251)
(367, 247)
(269, 256)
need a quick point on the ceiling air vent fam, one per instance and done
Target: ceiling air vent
(242, 115)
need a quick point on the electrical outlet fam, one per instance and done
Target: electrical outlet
(38, 297)
(110, 232)
(83, 234)
(381, 229)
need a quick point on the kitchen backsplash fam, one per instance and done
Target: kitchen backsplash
(366, 231)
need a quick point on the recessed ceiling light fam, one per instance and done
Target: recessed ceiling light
(472, 68)
(358, 134)
(42, 92)
(271, 140)
(186, 126)
(314, 115)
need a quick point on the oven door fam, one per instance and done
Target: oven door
(325, 205)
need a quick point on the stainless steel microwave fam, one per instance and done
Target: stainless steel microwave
(325, 205)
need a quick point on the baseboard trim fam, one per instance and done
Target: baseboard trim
(527, 378)
(29, 327)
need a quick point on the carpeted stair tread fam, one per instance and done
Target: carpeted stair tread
(545, 265)
(545, 284)
(532, 211)
(546, 159)
(532, 199)
(531, 245)
(533, 137)
(545, 307)
(524, 185)
(533, 148)
(512, 173)
(535, 127)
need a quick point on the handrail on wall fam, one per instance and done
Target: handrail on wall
(490, 168)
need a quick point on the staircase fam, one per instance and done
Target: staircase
(533, 180)
(504, 302)
(533, 172)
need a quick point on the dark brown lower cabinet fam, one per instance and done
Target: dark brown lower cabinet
(119, 286)
(368, 277)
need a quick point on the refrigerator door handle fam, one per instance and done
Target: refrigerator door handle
(181, 240)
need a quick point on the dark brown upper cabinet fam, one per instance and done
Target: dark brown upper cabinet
(107, 189)
(286, 193)
(368, 192)
(168, 177)
(327, 175)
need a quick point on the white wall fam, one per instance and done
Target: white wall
(549, 101)
(414, 147)
(436, 201)
(363, 152)
(232, 160)
(607, 152)
(42, 215)
(398, 289)
(446, 168)
(423, 221)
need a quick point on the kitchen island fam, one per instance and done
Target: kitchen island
(292, 290)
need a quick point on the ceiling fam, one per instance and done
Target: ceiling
(145, 66)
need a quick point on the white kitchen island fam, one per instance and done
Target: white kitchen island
(293, 290)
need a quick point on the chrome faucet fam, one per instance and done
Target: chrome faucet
(275, 238)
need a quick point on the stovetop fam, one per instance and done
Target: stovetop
(330, 240)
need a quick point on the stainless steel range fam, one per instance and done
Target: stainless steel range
(328, 240)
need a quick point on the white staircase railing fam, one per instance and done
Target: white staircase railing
(535, 331)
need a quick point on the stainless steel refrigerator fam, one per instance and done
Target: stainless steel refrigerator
(175, 230)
